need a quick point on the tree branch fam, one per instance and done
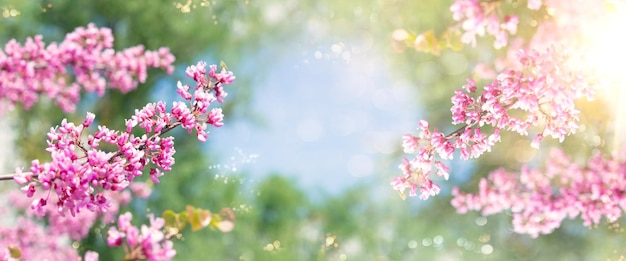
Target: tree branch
(4, 177)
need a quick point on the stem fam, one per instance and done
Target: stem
(143, 146)
(166, 129)
(460, 130)
(457, 132)
(4, 177)
(207, 88)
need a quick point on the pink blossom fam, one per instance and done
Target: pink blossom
(537, 92)
(216, 117)
(536, 141)
(75, 227)
(114, 237)
(197, 72)
(91, 256)
(541, 200)
(477, 18)
(148, 242)
(140, 189)
(81, 173)
(410, 143)
(35, 242)
(34, 69)
(20, 177)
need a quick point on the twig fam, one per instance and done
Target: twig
(4, 177)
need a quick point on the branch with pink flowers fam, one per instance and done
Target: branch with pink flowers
(83, 60)
(540, 94)
(80, 171)
(534, 94)
(154, 242)
(91, 169)
(82, 177)
(474, 18)
(540, 200)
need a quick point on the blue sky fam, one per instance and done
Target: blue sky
(333, 112)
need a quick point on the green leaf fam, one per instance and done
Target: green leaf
(183, 217)
(198, 218)
(223, 66)
(451, 38)
(175, 220)
(427, 42)
(15, 252)
(170, 218)
(192, 218)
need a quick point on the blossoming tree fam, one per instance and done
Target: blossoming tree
(536, 89)
(93, 171)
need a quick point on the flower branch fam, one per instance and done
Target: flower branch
(33, 69)
(540, 199)
(80, 172)
(543, 89)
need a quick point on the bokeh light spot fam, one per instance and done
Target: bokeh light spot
(486, 249)
(481, 221)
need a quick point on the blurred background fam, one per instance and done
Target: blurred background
(313, 128)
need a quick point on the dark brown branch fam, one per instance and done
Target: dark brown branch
(4, 177)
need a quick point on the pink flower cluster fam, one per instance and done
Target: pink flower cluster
(149, 242)
(33, 69)
(77, 226)
(34, 242)
(81, 172)
(541, 200)
(541, 91)
(416, 172)
(479, 17)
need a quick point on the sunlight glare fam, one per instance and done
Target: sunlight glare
(605, 58)
(607, 51)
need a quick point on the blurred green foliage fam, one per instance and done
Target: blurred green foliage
(276, 219)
